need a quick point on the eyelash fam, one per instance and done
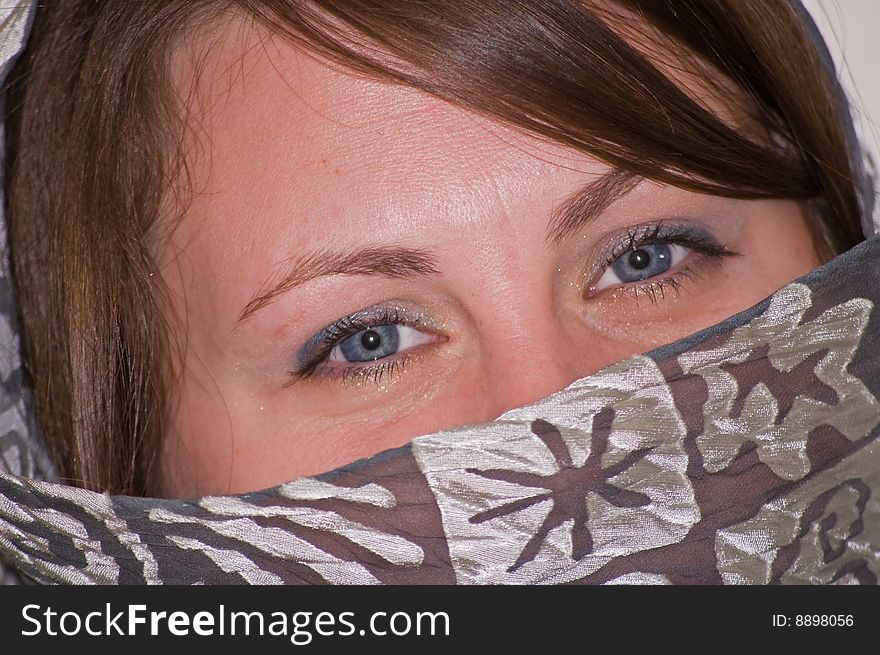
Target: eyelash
(345, 327)
(314, 365)
(694, 239)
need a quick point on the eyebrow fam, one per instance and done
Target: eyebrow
(388, 261)
(584, 206)
(574, 213)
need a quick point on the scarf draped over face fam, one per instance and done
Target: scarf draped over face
(746, 453)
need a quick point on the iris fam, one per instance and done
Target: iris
(647, 261)
(372, 344)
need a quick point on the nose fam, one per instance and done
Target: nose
(531, 361)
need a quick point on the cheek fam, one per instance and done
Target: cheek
(226, 442)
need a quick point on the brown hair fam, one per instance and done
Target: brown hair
(94, 137)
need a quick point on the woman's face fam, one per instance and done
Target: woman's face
(358, 264)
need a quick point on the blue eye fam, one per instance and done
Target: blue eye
(377, 342)
(642, 263)
(369, 345)
(645, 262)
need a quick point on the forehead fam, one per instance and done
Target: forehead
(247, 91)
(262, 114)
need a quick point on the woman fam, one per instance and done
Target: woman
(289, 191)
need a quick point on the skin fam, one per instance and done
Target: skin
(290, 156)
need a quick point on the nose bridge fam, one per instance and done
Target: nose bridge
(529, 361)
(526, 354)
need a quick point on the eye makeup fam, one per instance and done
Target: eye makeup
(311, 360)
(696, 246)
(702, 245)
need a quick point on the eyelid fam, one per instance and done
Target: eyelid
(690, 235)
(318, 347)
(659, 232)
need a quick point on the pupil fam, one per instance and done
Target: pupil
(371, 340)
(639, 259)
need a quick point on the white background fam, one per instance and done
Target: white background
(852, 30)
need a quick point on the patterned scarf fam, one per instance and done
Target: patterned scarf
(746, 453)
